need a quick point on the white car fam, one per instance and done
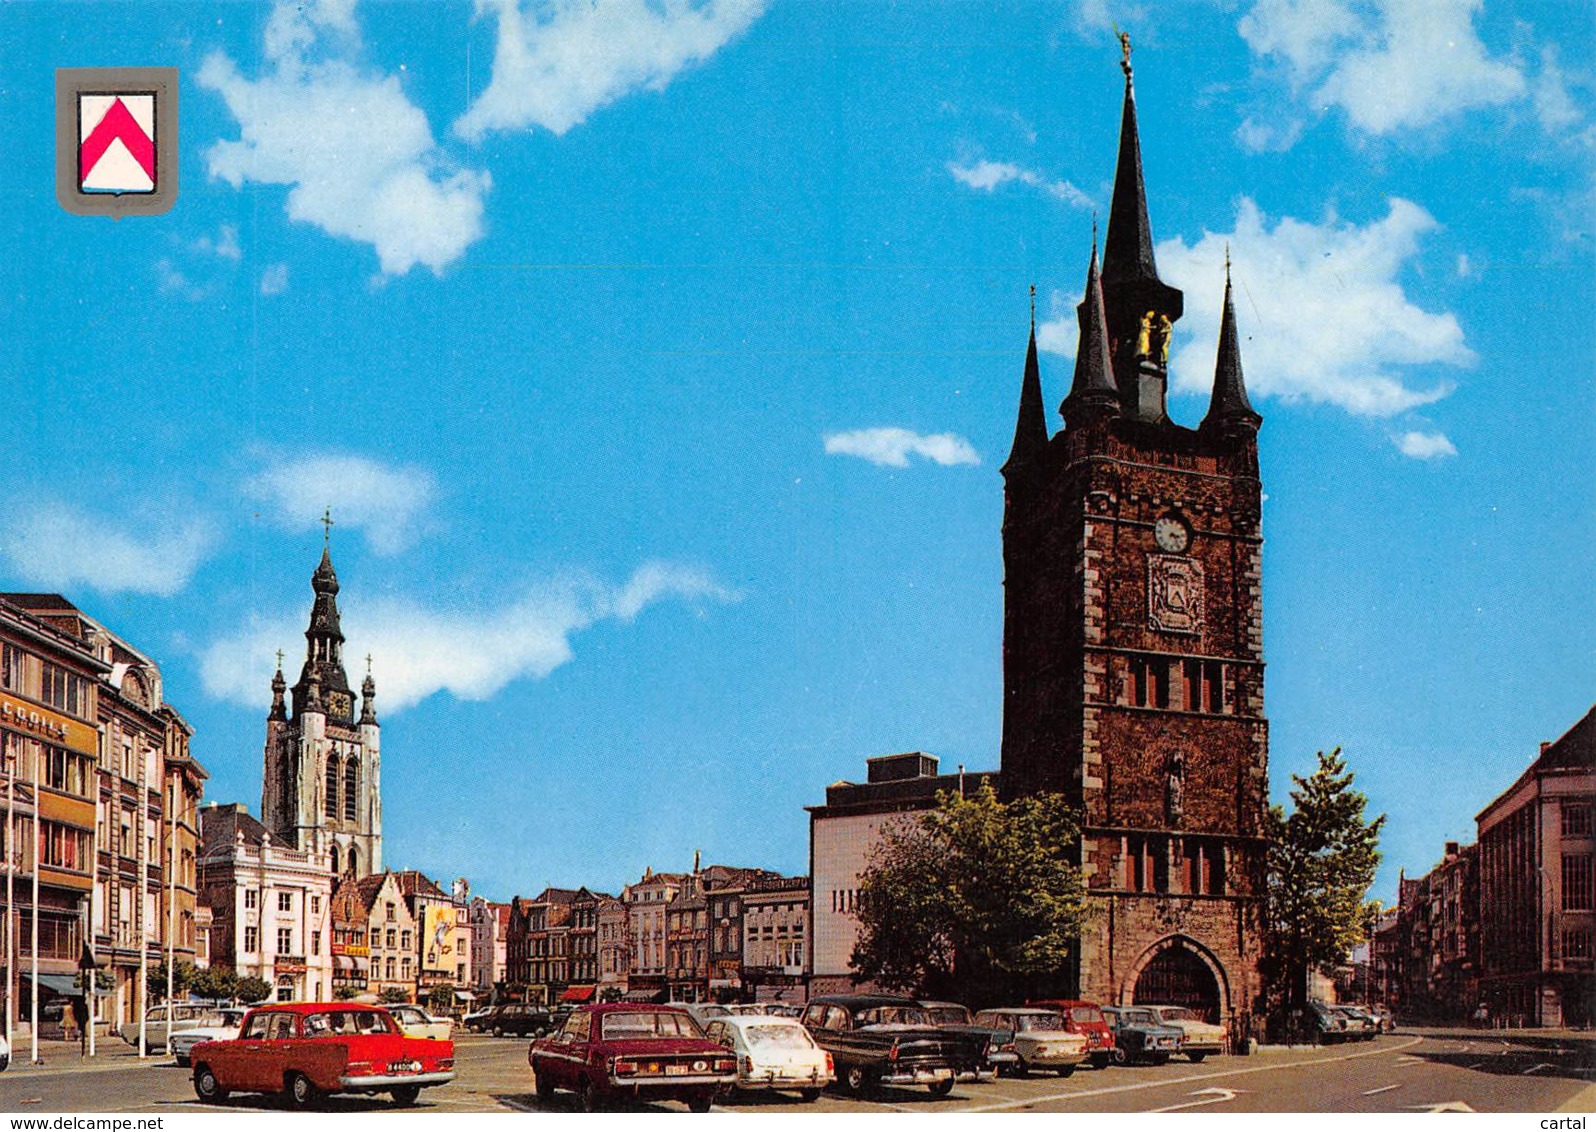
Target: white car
(1040, 1040)
(702, 1012)
(1201, 1038)
(417, 1023)
(221, 1025)
(183, 1014)
(774, 1053)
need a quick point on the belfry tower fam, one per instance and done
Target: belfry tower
(322, 787)
(1133, 634)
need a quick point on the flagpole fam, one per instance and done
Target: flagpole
(171, 905)
(11, 872)
(38, 840)
(143, 993)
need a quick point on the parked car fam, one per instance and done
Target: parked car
(519, 1018)
(1383, 1018)
(784, 1009)
(1139, 1036)
(773, 1053)
(417, 1023)
(221, 1024)
(1327, 1024)
(629, 1051)
(306, 1050)
(1361, 1025)
(884, 1040)
(1199, 1038)
(752, 1010)
(1086, 1019)
(1036, 1037)
(985, 1043)
(702, 1012)
(475, 1020)
(182, 1013)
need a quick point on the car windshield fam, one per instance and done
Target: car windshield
(1177, 1014)
(1137, 1018)
(1026, 1023)
(1086, 1014)
(769, 1036)
(892, 1016)
(650, 1024)
(943, 1015)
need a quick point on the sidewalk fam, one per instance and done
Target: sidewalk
(62, 1057)
(1540, 1037)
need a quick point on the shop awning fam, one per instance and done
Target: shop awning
(644, 996)
(348, 963)
(60, 984)
(464, 996)
(578, 994)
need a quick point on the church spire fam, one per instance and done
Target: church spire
(1229, 407)
(1140, 307)
(1093, 392)
(323, 672)
(1030, 431)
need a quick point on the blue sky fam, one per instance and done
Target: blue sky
(657, 360)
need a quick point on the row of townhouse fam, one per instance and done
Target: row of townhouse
(1501, 931)
(714, 934)
(100, 832)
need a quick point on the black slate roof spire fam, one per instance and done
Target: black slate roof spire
(1093, 392)
(1229, 406)
(324, 638)
(1128, 251)
(1030, 430)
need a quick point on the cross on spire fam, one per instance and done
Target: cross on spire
(1033, 308)
(368, 664)
(326, 526)
(279, 660)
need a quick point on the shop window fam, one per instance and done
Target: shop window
(1577, 878)
(1576, 820)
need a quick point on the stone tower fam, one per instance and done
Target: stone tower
(1133, 635)
(322, 787)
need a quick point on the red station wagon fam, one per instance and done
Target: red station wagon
(625, 1051)
(306, 1050)
(1086, 1018)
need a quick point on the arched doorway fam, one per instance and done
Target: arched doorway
(1177, 974)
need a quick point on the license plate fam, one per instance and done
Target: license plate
(932, 1074)
(676, 1071)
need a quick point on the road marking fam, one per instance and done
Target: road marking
(1382, 1089)
(1110, 1089)
(1444, 1106)
(1477, 1064)
(1537, 1069)
(1404, 1061)
(1211, 1095)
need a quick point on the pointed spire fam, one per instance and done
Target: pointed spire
(323, 671)
(1229, 407)
(368, 696)
(1030, 431)
(1128, 254)
(279, 685)
(1093, 392)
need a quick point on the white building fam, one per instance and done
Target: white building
(270, 905)
(490, 944)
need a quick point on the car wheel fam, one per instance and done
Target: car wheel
(301, 1092)
(182, 1060)
(1021, 1069)
(1160, 1059)
(1101, 1060)
(809, 1096)
(1066, 1070)
(1196, 1058)
(406, 1095)
(942, 1088)
(498, 1031)
(1120, 1056)
(856, 1080)
(700, 1103)
(545, 1088)
(206, 1087)
(588, 1094)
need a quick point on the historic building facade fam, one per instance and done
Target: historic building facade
(322, 787)
(1133, 635)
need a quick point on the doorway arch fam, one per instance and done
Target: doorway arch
(1179, 971)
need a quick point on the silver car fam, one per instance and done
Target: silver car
(222, 1024)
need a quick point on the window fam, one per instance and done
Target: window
(251, 939)
(351, 789)
(315, 905)
(404, 940)
(392, 937)
(329, 803)
(1147, 864)
(285, 941)
(249, 900)
(315, 943)
(11, 670)
(285, 901)
(1576, 820)
(390, 912)
(1577, 882)
(390, 967)
(1576, 944)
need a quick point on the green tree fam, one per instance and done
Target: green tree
(978, 898)
(344, 993)
(217, 983)
(182, 980)
(440, 1001)
(394, 995)
(251, 989)
(1321, 865)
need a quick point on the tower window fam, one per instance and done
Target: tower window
(1158, 672)
(351, 789)
(1213, 688)
(330, 802)
(1191, 685)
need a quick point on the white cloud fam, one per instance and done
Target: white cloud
(1095, 16)
(1268, 137)
(1553, 105)
(225, 244)
(1322, 314)
(170, 280)
(987, 176)
(891, 447)
(274, 280)
(1060, 332)
(1424, 445)
(557, 61)
(386, 501)
(56, 546)
(471, 653)
(358, 156)
(1390, 64)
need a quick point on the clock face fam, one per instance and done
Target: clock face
(1172, 534)
(339, 703)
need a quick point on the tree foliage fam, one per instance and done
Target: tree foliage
(977, 898)
(394, 995)
(441, 1000)
(1321, 865)
(183, 975)
(252, 989)
(217, 983)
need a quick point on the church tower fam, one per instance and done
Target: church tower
(322, 787)
(1133, 634)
